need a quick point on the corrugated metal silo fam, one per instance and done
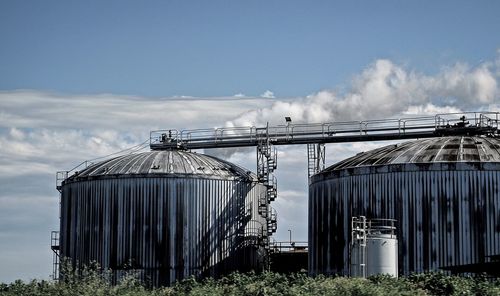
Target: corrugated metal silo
(164, 214)
(444, 193)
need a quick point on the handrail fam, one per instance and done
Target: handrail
(289, 245)
(299, 133)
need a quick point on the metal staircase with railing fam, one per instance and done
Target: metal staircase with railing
(272, 222)
(267, 162)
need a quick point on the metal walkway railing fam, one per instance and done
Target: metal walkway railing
(335, 132)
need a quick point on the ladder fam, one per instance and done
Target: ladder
(315, 158)
(54, 246)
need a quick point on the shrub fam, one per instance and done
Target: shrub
(93, 281)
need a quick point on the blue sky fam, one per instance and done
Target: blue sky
(82, 79)
(219, 48)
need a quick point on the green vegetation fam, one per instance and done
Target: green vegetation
(93, 283)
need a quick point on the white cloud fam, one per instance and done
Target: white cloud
(430, 109)
(268, 95)
(385, 89)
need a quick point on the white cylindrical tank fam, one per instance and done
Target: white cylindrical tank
(374, 247)
(381, 254)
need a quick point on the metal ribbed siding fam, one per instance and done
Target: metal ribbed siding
(448, 213)
(166, 227)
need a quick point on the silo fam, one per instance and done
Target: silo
(166, 215)
(443, 193)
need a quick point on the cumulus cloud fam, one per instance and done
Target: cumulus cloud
(268, 95)
(430, 109)
(386, 89)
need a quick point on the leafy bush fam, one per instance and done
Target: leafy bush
(95, 282)
(438, 283)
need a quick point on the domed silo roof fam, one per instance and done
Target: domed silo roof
(168, 163)
(166, 214)
(433, 150)
(444, 192)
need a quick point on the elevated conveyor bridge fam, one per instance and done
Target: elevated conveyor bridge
(315, 135)
(334, 132)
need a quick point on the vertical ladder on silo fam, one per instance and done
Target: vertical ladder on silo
(315, 158)
(54, 246)
(358, 247)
